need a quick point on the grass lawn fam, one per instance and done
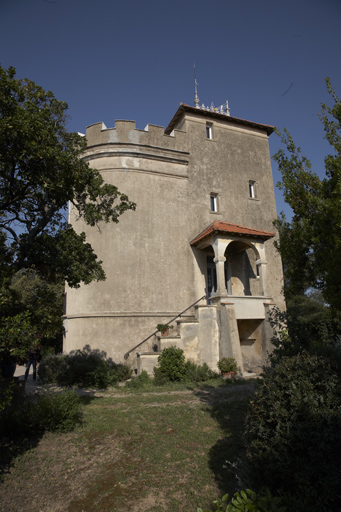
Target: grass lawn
(161, 450)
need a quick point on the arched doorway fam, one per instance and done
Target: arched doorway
(242, 269)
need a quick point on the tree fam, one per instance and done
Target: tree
(310, 245)
(40, 171)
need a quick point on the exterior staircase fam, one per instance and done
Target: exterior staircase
(148, 360)
(198, 336)
(214, 332)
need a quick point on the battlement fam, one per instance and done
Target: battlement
(125, 132)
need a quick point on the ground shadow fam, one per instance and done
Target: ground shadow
(14, 445)
(227, 404)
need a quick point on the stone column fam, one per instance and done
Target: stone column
(261, 263)
(220, 268)
(260, 270)
(219, 247)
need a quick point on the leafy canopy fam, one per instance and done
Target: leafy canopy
(310, 245)
(41, 170)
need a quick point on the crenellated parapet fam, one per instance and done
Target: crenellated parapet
(125, 132)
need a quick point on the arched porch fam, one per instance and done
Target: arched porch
(236, 282)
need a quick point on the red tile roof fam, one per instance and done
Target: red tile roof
(219, 226)
(214, 115)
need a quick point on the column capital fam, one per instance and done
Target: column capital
(219, 259)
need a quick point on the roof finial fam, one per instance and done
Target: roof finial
(226, 108)
(196, 97)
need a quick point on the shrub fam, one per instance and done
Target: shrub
(37, 413)
(50, 367)
(171, 364)
(82, 369)
(199, 373)
(307, 325)
(60, 412)
(122, 371)
(6, 393)
(172, 367)
(293, 432)
(160, 378)
(248, 500)
(141, 381)
(227, 364)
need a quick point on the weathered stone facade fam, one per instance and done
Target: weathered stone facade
(202, 226)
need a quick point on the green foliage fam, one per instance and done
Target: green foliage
(40, 171)
(6, 393)
(59, 413)
(51, 367)
(249, 501)
(38, 413)
(17, 336)
(173, 367)
(82, 369)
(30, 313)
(141, 381)
(44, 302)
(310, 245)
(305, 325)
(199, 373)
(163, 327)
(160, 378)
(172, 364)
(293, 430)
(227, 364)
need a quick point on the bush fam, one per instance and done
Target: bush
(172, 367)
(199, 373)
(171, 364)
(6, 393)
(59, 413)
(51, 367)
(227, 364)
(141, 381)
(82, 369)
(160, 378)
(307, 325)
(293, 432)
(248, 500)
(37, 413)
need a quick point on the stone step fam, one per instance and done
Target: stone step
(189, 319)
(146, 361)
(168, 341)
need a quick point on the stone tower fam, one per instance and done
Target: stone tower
(202, 229)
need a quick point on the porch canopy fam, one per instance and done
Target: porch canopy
(221, 227)
(219, 235)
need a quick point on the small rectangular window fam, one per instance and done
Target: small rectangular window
(252, 189)
(214, 202)
(208, 131)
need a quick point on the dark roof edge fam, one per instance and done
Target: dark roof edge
(214, 115)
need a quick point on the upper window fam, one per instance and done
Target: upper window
(208, 131)
(214, 202)
(252, 189)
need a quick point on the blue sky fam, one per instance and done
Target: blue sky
(131, 59)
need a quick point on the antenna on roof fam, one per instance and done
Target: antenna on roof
(196, 97)
(222, 109)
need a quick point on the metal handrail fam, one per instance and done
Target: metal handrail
(126, 355)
